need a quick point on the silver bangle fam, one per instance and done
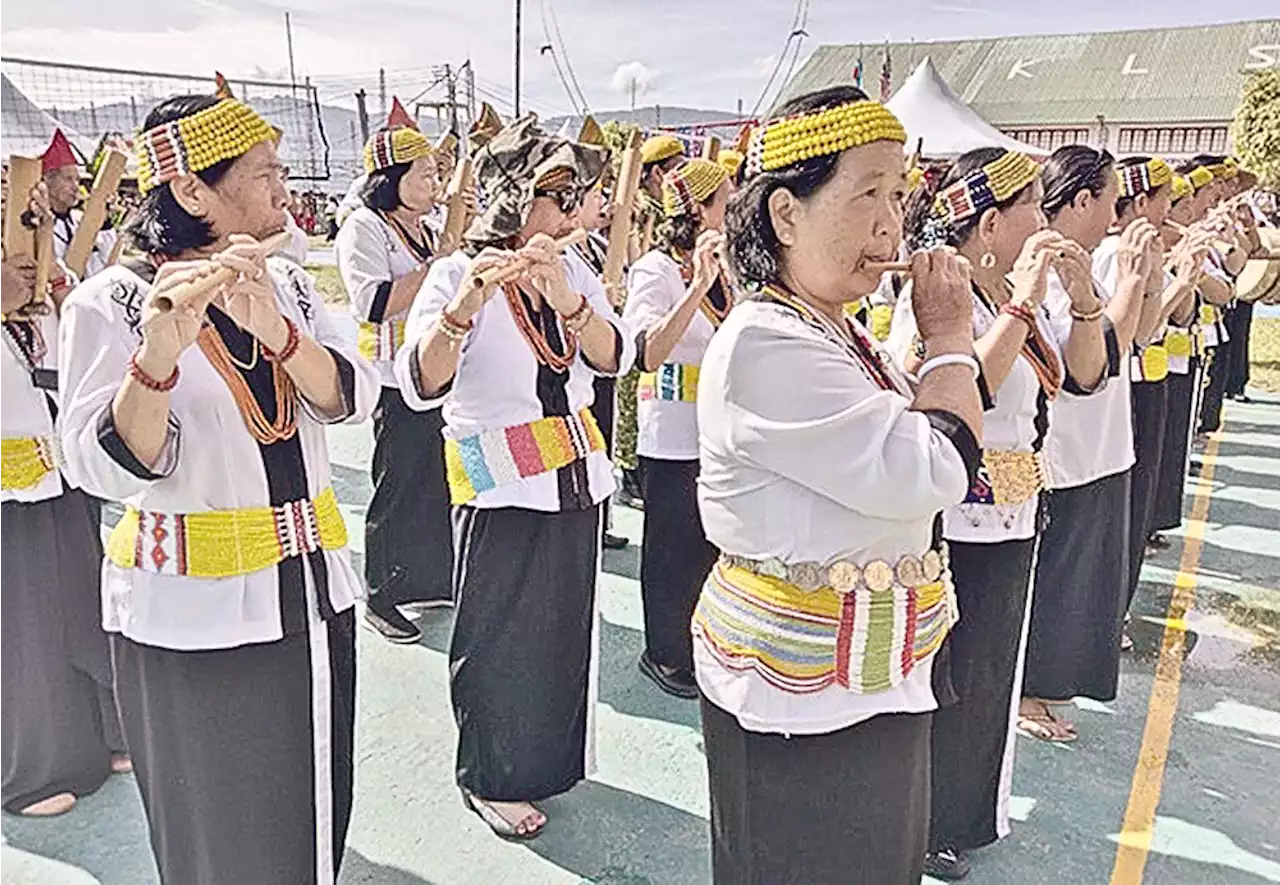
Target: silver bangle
(950, 359)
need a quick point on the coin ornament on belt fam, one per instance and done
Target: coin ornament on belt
(878, 575)
(931, 562)
(910, 572)
(844, 577)
(807, 576)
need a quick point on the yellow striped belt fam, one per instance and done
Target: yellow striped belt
(380, 341)
(672, 382)
(484, 461)
(1152, 364)
(225, 543)
(26, 461)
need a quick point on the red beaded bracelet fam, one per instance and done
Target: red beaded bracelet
(1020, 312)
(583, 308)
(290, 345)
(140, 375)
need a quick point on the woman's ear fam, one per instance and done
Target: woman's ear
(1083, 200)
(783, 209)
(191, 194)
(988, 228)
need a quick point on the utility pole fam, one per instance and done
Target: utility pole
(382, 92)
(451, 89)
(311, 135)
(519, 8)
(633, 94)
(288, 34)
(363, 113)
(471, 94)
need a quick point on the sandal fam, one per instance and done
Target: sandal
(1045, 726)
(503, 828)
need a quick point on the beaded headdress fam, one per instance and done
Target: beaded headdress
(1143, 178)
(1182, 187)
(986, 187)
(782, 142)
(223, 131)
(1199, 177)
(657, 148)
(689, 184)
(391, 147)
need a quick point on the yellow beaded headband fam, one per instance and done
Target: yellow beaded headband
(987, 187)
(689, 184)
(391, 147)
(191, 144)
(780, 143)
(1199, 177)
(1182, 187)
(1225, 169)
(1143, 178)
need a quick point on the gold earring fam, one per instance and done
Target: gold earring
(988, 260)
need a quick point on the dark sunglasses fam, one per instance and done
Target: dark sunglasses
(568, 199)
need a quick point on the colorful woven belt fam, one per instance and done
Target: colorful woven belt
(1213, 328)
(476, 464)
(1152, 364)
(26, 461)
(1007, 477)
(380, 341)
(225, 543)
(672, 382)
(864, 640)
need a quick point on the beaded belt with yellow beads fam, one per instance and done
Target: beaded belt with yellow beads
(1007, 477)
(26, 461)
(806, 626)
(1150, 364)
(225, 543)
(379, 342)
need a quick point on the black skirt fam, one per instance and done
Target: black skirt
(1149, 416)
(521, 656)
(244, 755)
(846, 808)
(1166, 512)
(973, 738)
(676, 558)
(408, 536)
(1077, 610)
(57, 708)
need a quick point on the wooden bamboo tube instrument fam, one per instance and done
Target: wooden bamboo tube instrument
(624, 203)
(1217, 242)
(25, 175)
(711, 149)
(455, 219)
(207, 285)
(498, 275)
(883, 267)
(95, 212)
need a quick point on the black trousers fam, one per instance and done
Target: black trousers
(1218, 367)
(676, 558)
(1239, 324)
(603, 408)
(1150, 413)
(408, 533)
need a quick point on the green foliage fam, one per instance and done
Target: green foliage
(1256, 128)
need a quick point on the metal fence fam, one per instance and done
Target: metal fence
(92, 102)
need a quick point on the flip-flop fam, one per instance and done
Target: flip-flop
(502, 828)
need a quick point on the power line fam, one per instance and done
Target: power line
(549, 11)
(796, 37)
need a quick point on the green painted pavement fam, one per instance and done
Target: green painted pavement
(641, 819)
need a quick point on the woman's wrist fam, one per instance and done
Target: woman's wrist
(153, 362)
(947, 343)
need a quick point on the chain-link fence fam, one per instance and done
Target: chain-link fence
(91, 103)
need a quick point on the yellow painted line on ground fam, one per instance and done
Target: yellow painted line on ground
(1148, 776)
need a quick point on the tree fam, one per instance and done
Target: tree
(1256, 128)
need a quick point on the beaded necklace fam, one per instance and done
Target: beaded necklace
(1044, 361)
(420, 250)
(536, 337)
(266, 432)
(27, 342)
(871, 359)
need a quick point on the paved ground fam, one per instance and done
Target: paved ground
(1189, 755)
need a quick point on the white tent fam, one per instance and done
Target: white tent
(25, 129)
(930, 110)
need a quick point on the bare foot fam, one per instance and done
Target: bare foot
(520, 820)
(51, 807)
(121, 763)
(1037, 720)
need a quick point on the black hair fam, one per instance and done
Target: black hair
(1124, 203)
(753, 243)
(381, 191)
(1072, 169)
(161, 226)
(1201, 160)
(922, 225)
(679, 233)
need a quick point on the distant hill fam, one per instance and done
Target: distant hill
(657, 117)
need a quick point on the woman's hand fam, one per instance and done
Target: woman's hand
(942, 300)
(470, 296)
(1031, 271)
(707, 254)
(1075, 268)
(545, 271)
(1139, 250)
(17, 283)
(250, 299)
(166, 334)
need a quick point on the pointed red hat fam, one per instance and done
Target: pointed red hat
(58, 154)
(222, 87)
(399, 118)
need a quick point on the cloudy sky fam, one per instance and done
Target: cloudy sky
(708, 54)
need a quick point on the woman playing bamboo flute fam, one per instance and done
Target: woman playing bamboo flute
(514, 363)
(227, 588)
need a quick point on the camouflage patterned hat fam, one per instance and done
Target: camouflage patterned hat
(509, 165)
